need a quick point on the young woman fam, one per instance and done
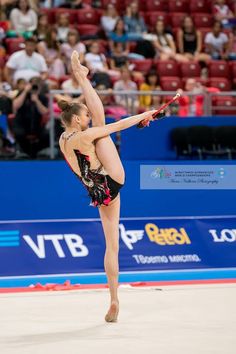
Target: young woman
(190, 41)
(93, 157)
(165, 45)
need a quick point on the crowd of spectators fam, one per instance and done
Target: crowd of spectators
(122, 44)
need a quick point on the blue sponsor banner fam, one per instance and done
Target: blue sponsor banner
(187, 177)
(64, 247)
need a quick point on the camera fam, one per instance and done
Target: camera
(35, 88)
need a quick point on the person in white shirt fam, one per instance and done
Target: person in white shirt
(216, 42)
(109, 19)
(23, 18)
(73, 43)
(26, 63)
(95, 61)
(63, 26)
(222, 12)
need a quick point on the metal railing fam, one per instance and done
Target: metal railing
(208, 104)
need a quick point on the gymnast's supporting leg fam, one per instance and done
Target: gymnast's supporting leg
(110, 221)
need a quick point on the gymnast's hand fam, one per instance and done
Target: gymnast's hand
(80, 71)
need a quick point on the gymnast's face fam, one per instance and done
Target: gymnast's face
(83, 119)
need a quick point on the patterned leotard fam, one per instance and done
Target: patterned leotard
(102, 189)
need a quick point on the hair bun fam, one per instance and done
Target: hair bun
(64, 105)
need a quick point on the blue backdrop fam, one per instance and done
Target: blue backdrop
(48, 190)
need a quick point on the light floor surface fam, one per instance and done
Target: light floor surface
(194, 319)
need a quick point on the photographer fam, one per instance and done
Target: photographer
(30, 106)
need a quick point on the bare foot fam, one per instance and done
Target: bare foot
(112, 314)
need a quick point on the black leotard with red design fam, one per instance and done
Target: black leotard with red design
(102, 188)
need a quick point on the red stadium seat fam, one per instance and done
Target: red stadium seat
(51, 14)
(224, 105)
(177, 19)
(232, 65)
(220, 83)
(152, 17)
(203, 20)
(178, 5)
(119, 4)
(191, 69)
(87, 17)
(171, 83)
(14, 44)
(199, 6)
(204, 31)
(89, 30)
(5, 25)
(71, 13)
(142, 65)
(204, 82)
(2, 62)
(156, 5)
(219, 68)
(167, 68)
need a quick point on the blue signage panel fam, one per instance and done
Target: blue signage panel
(62, 247)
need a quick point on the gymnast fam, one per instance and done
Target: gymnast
(92, 156)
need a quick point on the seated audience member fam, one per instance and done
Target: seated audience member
(134, 22)
(216, 42)
(149, 102)
(30, 106)
(222, 12)
(164, 44)
(71, 84)
(192, 105)
(62, 26)
(73, 43)
(95, 61)
(43, 28)
(119, 56)
(232, 44)
(109, 19)
(50, 50)
(190, 41)
(23, 19)
(6, 138)
(130, 102)
(26, 63)
(118, 35)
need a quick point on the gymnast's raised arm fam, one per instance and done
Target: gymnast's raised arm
(92, 99)
(94, 133)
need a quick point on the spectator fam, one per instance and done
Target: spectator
(191, 106)
(30, 106)
(62, 26)
(125, 83)
(73, 43)
(73, 4)
(71, 84)
(232, 44)
(119, 57)
(134, 22)
(95, 61)
(109, 19)
(23, 19)
(42, 29)
(26, 63)
(222, 12)
(118, 34)
(165, 45)
(148, 102)
(50, 50)
(190, 41)
(216, 42)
